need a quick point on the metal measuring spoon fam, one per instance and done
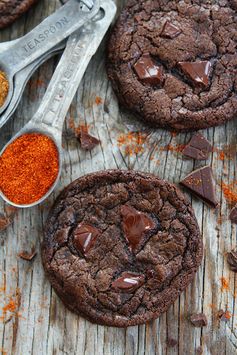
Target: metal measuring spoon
(49, 118)
(65, 21)
(21, 79)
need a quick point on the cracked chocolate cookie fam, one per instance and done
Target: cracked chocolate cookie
(10, 10)
(174, 63)
(120, 246)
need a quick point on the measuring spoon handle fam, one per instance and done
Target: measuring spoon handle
(71, 68)
(49, 33)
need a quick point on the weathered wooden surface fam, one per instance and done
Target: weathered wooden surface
(40, 324)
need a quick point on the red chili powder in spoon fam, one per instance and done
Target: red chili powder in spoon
(28, 168)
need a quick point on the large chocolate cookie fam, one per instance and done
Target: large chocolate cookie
(120, 246)
(10, 10)
(174, 63)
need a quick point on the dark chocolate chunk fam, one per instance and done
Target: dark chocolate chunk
(171, 343)
(233, 215)
(128, 282)
(148, 71)
(198, 148)
(232, 260)
(201, 183)
(28, 256)
(170, 30)
(198, 72)
(198, 320)
(84, 237)
(87, 141)
(135, 224)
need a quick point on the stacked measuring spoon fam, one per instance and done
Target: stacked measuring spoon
(49, 118)
(20, 58)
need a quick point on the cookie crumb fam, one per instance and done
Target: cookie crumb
(198, 320)
(28, 256)
(87, 141)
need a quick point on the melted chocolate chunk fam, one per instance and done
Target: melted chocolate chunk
(198, 320)
(170, 30)
(198, 148)
(135, 225)
(148, 71)
(87, 141)
(201, 183)
(233, 215)
(198, 72)
(232, 260)
(128, 282)
(84, 237)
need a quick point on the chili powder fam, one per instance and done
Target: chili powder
(29, 167)
(4, 88)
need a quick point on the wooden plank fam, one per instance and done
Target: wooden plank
(40, 323)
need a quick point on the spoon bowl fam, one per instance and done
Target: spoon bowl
(28, 130)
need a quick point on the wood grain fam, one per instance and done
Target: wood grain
(40, 324)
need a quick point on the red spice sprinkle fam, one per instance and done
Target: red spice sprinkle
(80, 128)
(173, 148)
(28, 168)
(222, 156)
(10, 307)
(98, 100)
(230, 191)
(224, 284)
(133, 142)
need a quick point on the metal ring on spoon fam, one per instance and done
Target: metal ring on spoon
(60, 25)
(49, 120)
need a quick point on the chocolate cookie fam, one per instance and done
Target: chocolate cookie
(120, 246)
(174, 63)
(10, 10)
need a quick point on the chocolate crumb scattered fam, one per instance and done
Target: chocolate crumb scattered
(87, 141)
(232, 260)
(28, 256)
(171, 343)
(233, 215)
(198, 320)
